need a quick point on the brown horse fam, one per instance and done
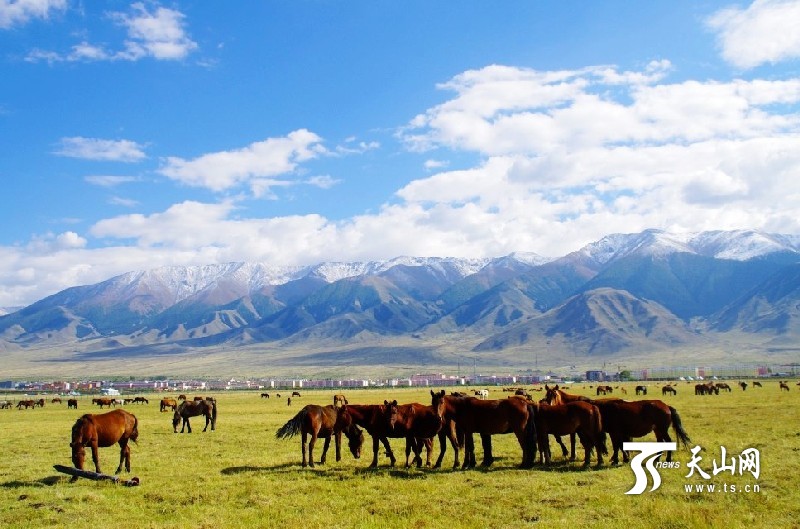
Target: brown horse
(669, 389)
(418, 424)
(339, 400)
(641, 390)
(371, 418)
(488, 417)
(623, 420)
(140, 400)
(323, 422)
(72, 403)
(26, 404)
(783, 385)
(603, 390)
(743, 385)
(757, 384)
(104, 401)
(167, 404)
(101, 430)
(193, 408)
(56, 400)
(576, 417)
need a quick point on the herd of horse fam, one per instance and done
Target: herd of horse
(455, 418)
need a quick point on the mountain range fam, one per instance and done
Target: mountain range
(654, 295)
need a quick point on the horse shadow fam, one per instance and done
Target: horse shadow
(48, 481)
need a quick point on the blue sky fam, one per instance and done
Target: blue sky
(144, 134)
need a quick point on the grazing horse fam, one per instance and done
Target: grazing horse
(26, 404)
(168, 404)
(418, 423)
(783, 385)
(743, 385)
(104, 401)
(207, 407)
(576, 417)
(140, 400)
(56, 400)
(482, 393)
(669, 389)
(641, 390)
(339, 400)
(323, 422)
(371, 418)
(757, 384)
(723, 386)
(488, 417)
(295, 393)
(105, 429)
(265, 395)
(72, 403)
(5, 404)
(603, 390)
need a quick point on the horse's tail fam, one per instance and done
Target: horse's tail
(293, 426)
(597, 425)
(135, 432)
(214, 412)
(680, 432)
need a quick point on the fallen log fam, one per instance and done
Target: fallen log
(96, 476)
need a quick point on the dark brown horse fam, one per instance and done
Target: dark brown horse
(641, 390)
(783, 385)
(323, 422)
(72, 403)
(757, 384)
(669, 389)
(576, 417)
(102, 430)
(371, 418)
(339, 400)
(193, 408)
(418, 424)
(488, 417)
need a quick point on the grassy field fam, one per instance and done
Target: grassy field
(242, 476)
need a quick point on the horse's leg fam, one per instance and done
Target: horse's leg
(338, 444)
(124, 456)
(303, 445)
(389, 452)
(587, 449)
(572, 446)
(325, 450)
(208, 420)
(469, 451)
(442, 448)
(428, 450)
(486, 442)
(375, 446)
(524, 445)
(311, 444)
(96, 456)
(564, 451)
(410, 444)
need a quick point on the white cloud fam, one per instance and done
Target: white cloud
(100, 149)
(158, 33)
(250, 165)
(767, 31)
(125, 202)
(109, 180)
(19, 12)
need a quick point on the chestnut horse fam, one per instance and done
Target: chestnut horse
(371, 418)
(418, 423)
(487, 417)
(576, 417)
(323, 422)
(193, 408)
(102, 430)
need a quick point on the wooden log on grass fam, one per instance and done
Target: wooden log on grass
(96, 476)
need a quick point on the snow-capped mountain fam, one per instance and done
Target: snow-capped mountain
(663, 288)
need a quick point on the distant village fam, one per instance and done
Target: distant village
(117, 387)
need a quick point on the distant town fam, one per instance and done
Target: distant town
(164, 384)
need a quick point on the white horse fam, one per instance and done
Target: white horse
(483, 394)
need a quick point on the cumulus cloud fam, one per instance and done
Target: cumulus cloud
(158, 33)
(767, 31)
(249, 165)
(20, 12)
(100, 149)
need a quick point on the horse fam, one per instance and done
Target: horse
(323, 422)
(5, 404)
(723, 386)
(603, 390)
(104, 401)
(168, 403)
(181, 397)
(488, 417)
(757, 384)
(624, 420)
(72, 403)
(295, 393)
(783, 385)
(207, 408)
(102, 430)
(482, 393)
(140, 400)
(576, 417)
(339, 400)
(641, 390)
(371, 418)
(418, 423)
(265, 395)
(56, 400)
(743, 385)
(26, 404)
(669, 389)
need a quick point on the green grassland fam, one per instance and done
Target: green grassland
(242, 476)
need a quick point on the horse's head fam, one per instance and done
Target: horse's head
(390, 411)
(355, 440)
(438, 403)
(552, 395)
(80, 434)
